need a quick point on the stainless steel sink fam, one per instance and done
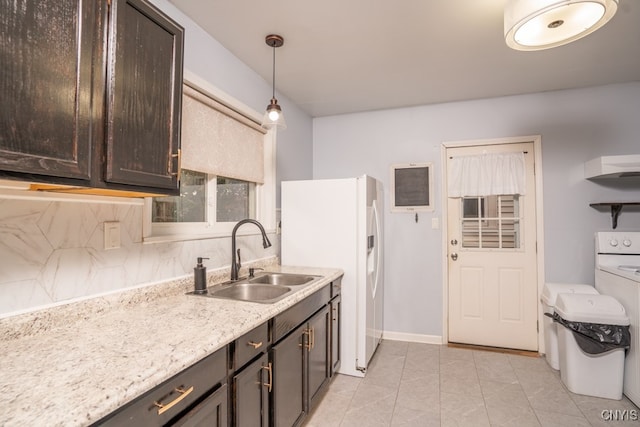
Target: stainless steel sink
(251, 292)
(283, 279)
(265, 288)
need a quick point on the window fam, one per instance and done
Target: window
(228, 171)
(208, 206)
(228, 200)
(189, 206)
(235, 199)
(491, 222)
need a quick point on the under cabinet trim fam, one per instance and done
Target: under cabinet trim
(43, 196)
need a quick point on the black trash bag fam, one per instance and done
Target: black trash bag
(596, 338)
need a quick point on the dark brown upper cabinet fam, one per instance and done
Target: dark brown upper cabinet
(91, 94)
(47, 53)
(144, 95)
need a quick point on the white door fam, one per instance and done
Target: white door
(492, 279)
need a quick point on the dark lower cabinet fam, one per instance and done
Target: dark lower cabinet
(251, 388)
(318, 353)
(272, 375)
(211, 412)
(289, 395)
(301, 367)
(336, 307)
(196, 395)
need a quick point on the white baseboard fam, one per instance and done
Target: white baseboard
(403, 336)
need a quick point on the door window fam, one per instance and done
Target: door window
(491, 222)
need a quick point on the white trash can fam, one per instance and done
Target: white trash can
(548, 299)
(599, 375)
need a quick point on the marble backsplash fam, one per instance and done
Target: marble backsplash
(53, 252)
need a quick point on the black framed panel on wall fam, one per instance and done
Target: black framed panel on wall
(412, 187)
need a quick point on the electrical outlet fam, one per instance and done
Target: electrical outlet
(111, 235)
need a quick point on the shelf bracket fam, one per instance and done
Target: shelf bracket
(615, 212)
(616, 208)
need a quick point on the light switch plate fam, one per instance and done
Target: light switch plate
(435, 223)
(111, 235)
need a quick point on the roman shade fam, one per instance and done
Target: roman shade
(220, 141)
(487, 175)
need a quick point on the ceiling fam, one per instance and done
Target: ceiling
(344, 56)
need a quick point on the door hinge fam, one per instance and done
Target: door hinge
(537, 326)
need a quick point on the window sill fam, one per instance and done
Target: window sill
(150, 240)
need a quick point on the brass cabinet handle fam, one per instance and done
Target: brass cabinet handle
(255, 344)
(269, 385)
(179, 156)
(308, 345)
(164, 408)
(313, 338)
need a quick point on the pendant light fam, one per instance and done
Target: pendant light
(543, 24)
(273, 117)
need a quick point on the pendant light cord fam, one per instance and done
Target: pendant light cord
(273, 75)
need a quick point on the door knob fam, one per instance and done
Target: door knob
(454, 256)
(454, 242)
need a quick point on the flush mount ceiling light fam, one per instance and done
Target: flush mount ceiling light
(543, 24)
(273, 117)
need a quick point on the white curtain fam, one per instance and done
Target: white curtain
(487, 175)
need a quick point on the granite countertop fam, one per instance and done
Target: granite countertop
(78, 365)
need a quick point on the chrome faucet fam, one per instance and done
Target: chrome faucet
(235, 266)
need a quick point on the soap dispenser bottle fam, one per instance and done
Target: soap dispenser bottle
(200, 277)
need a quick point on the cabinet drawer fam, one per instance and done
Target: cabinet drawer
(336, 286)
(250, 345)
(162, 403)
(211, 412)
(291, 318)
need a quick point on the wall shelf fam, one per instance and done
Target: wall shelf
(616, 208)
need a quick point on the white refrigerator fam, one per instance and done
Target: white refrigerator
(338, 223)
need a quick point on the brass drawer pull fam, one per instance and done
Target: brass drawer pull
(183, 393)
(269, 385)
(255, 345)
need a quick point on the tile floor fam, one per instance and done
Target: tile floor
(410, 384)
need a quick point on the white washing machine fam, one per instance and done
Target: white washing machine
(617, 274)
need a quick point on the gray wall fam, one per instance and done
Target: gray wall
(211, 61)
(575, 125)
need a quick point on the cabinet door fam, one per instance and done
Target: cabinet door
(211, 412)
(288, 378)
(48, 49)
(251, 394)
(144, 96)
(319, 357)
(336, 306)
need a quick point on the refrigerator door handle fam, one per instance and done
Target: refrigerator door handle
(376, 267)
